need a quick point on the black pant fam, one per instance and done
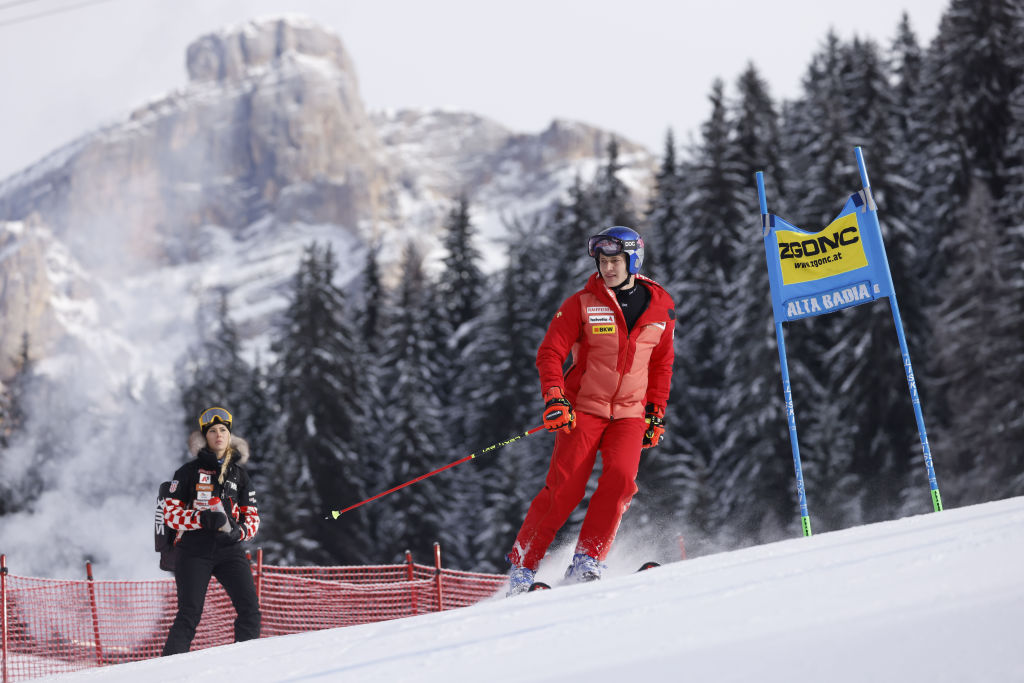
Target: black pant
(192, 576)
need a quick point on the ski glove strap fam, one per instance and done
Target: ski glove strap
(654, 416)
(558, 413)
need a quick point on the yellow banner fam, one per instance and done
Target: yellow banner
(834, 250)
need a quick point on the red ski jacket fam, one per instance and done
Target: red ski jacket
(614, 374)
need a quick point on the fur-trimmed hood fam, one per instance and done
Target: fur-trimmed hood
(196, 441)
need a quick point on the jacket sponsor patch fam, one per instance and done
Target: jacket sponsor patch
(173, 487)
(607, 319)
(599, 310)
(204, 478)
(604, 329)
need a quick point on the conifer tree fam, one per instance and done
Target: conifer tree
(970, 320)
(762, 491)
(372, 303)
(461, 292)
(255, 413)
(462, 281)
(373, 311)
(663, 221)
(317, 379)
(816, 141)
(698, 428)
(982, 38)
(1010, 418)
(902, 224)
(412, 439)
(965, 132)
(613, 201)
(566, 261)
(213, 373)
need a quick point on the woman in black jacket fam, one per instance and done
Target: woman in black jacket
(212, 506)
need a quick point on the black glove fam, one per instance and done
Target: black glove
(230, 537)
(212, 519)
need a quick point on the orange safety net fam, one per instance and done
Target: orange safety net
(53, 626)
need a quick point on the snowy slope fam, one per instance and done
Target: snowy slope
(937, 597)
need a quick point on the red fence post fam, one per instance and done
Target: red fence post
(3, 611)
(95, 614)
(437, 572)
(412, 577)
(682, 547)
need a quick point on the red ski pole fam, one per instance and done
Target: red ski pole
(338, 513)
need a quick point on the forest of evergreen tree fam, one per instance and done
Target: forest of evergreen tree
(371, 385)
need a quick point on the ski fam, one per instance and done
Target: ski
(541, 586)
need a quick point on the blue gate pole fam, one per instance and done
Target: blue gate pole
(911, 382)
(805, 518)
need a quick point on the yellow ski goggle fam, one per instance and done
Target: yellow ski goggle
(212, 416)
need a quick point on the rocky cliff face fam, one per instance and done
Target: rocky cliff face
(269, 146)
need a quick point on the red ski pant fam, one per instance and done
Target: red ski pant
(572, 462)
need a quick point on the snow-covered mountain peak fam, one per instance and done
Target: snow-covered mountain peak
(235, 52)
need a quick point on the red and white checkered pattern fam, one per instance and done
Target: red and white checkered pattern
(176, 516)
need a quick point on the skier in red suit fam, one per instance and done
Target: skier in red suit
(619, 330)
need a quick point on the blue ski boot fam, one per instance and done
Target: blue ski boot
(583, 568)
(519, 581)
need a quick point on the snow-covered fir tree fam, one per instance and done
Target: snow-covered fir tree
(697, 428)
(663, 221)
(413, 437)
(213, 373)
(318, 377)
(1011, 212)
(461, 293)
(751, 397)
(565, 262)
(966, 130)
(613, 202)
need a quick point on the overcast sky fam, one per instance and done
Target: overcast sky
(636, 67)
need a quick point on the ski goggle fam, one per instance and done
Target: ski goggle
(610, 246)
(212, 416)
